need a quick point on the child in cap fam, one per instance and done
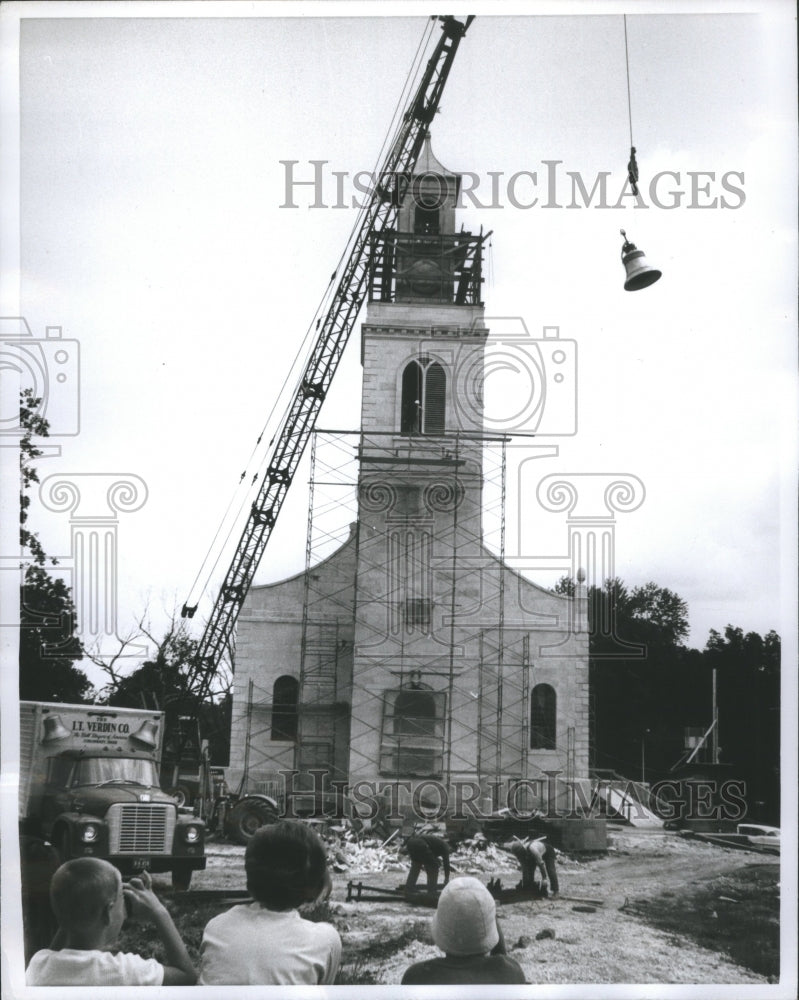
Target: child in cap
(465, 929)
(267, 942)
(89, 902)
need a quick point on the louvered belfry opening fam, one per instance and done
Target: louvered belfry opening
(424, 397)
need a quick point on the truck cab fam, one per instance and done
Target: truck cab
(92, 789)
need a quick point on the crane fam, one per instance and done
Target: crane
(334, 330)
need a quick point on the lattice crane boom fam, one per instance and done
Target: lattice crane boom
(333, 333)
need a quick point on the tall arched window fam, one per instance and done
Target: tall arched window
(285, 693)
(424, 396)
(543, 717)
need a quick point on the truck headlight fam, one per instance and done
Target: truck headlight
(89, 833)
(191, 834)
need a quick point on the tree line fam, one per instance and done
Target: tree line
(649, 692)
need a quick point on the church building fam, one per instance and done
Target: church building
(411, 653)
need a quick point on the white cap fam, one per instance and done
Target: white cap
(465, 922)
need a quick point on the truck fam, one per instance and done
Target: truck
(89, 786)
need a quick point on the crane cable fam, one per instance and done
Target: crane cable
(305, 349)
(632, 166)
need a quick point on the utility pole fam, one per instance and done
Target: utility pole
(714, 745)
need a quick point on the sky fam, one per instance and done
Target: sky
(155, 229)
(144, 212)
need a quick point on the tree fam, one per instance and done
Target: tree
(162, 683)
(643, 691)
(661, 608)
(647, 688)
(48, 646)
(747, 668)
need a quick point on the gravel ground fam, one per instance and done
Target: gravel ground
(609, 945)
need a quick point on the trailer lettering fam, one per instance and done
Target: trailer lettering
(102, 727)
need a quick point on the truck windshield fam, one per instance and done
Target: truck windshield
(115, 770)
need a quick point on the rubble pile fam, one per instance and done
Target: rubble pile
(349, 852)
(479, 855)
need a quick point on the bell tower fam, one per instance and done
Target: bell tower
(420, 481)
(424, 334)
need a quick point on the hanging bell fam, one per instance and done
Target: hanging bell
(146, 734)
(639, 273)
(54, 729)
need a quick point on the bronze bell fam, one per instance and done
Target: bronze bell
(146, 734)
(639, 273)
(54, 729)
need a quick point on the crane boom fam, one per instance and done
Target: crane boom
(334, 330)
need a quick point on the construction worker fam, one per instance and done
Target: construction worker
(535, 855)
(424, 851)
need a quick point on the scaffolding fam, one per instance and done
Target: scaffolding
(416, 659)
(405, 604)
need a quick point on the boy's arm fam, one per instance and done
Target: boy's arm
(179, 970)
(146, 906)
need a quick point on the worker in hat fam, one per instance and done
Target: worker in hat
(425, 850)
(535, 855)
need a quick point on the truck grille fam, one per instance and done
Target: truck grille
(140, 829)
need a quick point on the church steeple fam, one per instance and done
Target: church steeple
(424, 260)
(424, 333)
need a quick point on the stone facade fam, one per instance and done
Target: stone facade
(412, 653)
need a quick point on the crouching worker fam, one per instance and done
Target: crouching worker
(465, 928)
(267, 942)
(536, 855)
(424, 852)
(89, 902)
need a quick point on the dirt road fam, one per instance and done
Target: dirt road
(612, 944)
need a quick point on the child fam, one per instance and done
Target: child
(267, 942)
(465, 929)
(89, 902)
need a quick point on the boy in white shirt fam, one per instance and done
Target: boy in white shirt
(267, 942)
(89, 902)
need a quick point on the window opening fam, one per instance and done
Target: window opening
(285, 693)
(543, 712)
(424, 393)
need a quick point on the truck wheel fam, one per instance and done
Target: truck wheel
(181, 877)
(181, 794)
(247, 817)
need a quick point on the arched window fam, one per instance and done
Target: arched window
(543, 717)
(285, 693)
(424, 396)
